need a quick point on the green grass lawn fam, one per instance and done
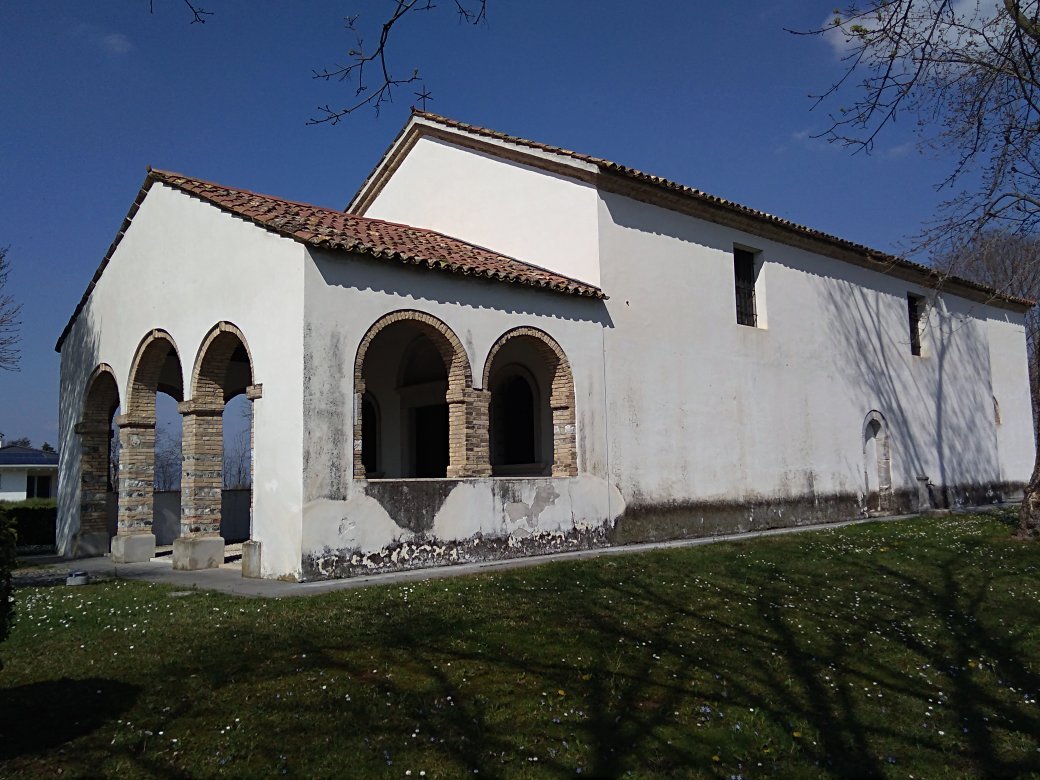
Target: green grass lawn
(906, 648)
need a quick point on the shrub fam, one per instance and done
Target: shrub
(7, 559)
(33, 520)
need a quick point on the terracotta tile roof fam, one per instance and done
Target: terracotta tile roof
(331, 229)
(335, 230)
(929, 276)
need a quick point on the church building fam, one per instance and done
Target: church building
(502, 348)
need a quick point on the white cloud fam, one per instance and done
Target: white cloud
(968, 14)
(116, 44)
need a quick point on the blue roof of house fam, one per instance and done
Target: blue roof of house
(26, 456)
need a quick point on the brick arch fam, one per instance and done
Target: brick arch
(211, 362)
(100, 401)
(561, 396)
(875, 426)
(462, 460)
(137, 441)
(203, 443)
(145, 371)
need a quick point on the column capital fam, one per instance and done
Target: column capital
(129, 421)
(200, 408)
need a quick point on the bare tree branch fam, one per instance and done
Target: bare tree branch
(968, 77)
(358, 68)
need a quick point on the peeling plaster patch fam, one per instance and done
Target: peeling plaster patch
(424, 553)
(467, 511)
(522, 518)
(360, 523)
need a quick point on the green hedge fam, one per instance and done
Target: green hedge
(34, 521)
(7, 558)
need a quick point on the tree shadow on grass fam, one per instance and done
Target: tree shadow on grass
(39, 717)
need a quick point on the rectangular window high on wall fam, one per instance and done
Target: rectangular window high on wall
(744, 273)
(915, 311)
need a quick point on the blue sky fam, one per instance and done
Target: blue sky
(714, 95)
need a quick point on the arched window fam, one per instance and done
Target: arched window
(877, 463)
(532, 410)
(411, 380)
(516, 414)
(218, 438)
(95, 431)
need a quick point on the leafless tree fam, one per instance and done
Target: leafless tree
(198, 13)
(967, 73)
(238, 473)
(167, 461)
(9, 319)
(368, 71)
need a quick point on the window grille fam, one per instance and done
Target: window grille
(914, 308)
(744, 274)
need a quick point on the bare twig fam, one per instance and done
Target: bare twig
(358, 67)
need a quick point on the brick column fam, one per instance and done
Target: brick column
(202, 468)
(93, 445)
(359, 395)
(565, 455)
(200, 545)
(134, 540)
(457, 466)
(478, 440)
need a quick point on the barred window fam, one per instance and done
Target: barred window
(915, 310)
(744, 276)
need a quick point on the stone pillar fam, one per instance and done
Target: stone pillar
(202, 467)
(92, 538)
(134, 540)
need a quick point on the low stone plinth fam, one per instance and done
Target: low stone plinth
(191, 553)
(251, 559)
(133, 548)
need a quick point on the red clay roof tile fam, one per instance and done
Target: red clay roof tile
(335, 230)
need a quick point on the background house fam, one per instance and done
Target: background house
(26, 472)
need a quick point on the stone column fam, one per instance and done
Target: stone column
(202, 467)
(134, 540)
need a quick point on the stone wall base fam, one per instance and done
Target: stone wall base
(90, 545)
(133, 548)
(191, 553)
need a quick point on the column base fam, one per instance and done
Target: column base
(133, 548)
(90, 545)
(191, 553)
(251, 559)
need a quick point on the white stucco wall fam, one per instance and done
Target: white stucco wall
(184, 266)
(703, 409)
(540, 218)
(1009, 362)
(345, 296)
(12, 484)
